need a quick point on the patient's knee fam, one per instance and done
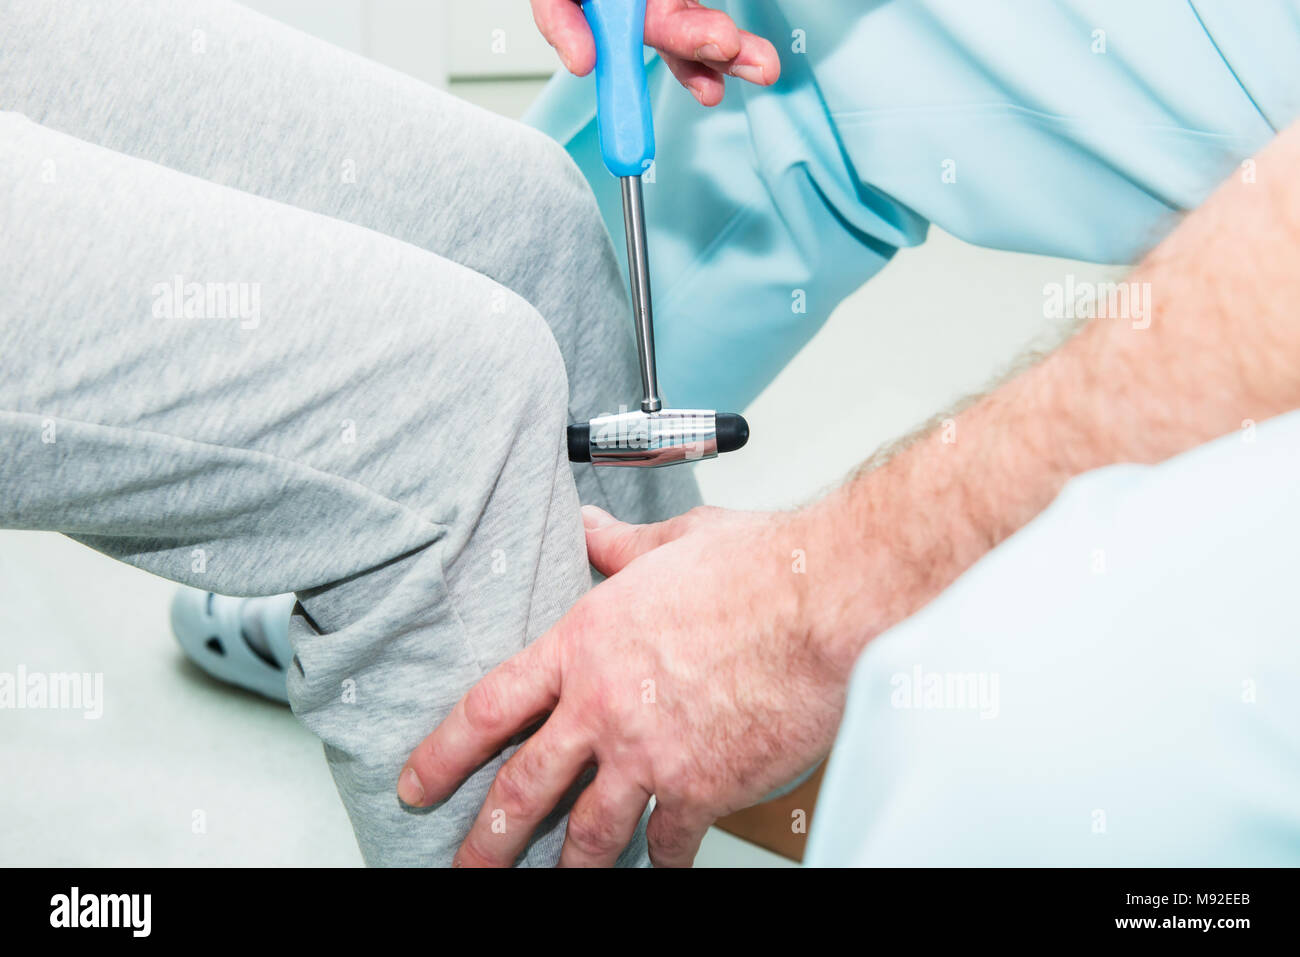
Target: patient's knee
(507, 373)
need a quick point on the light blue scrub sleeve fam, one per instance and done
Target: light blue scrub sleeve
(1077, 129)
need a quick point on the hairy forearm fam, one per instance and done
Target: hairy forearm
(1222, 346)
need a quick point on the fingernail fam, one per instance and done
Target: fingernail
(754, 74)
(697, 93)
(409, 788)
(594, 518)
(710, 51)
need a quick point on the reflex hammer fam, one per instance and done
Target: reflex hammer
(651, 436)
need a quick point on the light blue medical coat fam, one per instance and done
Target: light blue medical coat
(1077, 129)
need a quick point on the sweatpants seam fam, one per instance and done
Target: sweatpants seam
(462, 630)
(537, 567)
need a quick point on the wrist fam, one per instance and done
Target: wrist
(893, 538)
(890, 541)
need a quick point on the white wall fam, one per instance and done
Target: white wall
(409, 35)
(487, 51)
(497, 38)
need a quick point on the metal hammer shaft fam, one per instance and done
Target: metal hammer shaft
(638, 271)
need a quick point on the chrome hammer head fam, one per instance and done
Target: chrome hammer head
(652, 439)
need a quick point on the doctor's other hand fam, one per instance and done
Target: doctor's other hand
(693, 673)
(700, 46)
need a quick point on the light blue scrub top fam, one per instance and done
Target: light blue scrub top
(805, 190)
(1077, 129)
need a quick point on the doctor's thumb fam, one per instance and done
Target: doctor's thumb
(612, 544)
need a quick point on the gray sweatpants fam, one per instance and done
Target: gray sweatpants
(274, 318)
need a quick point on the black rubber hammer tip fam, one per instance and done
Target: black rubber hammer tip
(732, 430)
(580, 443)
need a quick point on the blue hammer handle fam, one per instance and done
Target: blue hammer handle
(627, 136)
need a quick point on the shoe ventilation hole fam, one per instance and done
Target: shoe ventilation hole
(265, 656)
(215, 646)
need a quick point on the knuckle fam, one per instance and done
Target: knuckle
(605, 711)
(511, 791)
(569, 640)
(615, 701)
(484, 710)
(685, 786)
(431, 763)
(625, 549)
(592, 830)
(471, 855)
(667, 840)
(661, 857)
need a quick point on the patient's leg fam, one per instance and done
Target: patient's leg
(247, 397)
(215, 90)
